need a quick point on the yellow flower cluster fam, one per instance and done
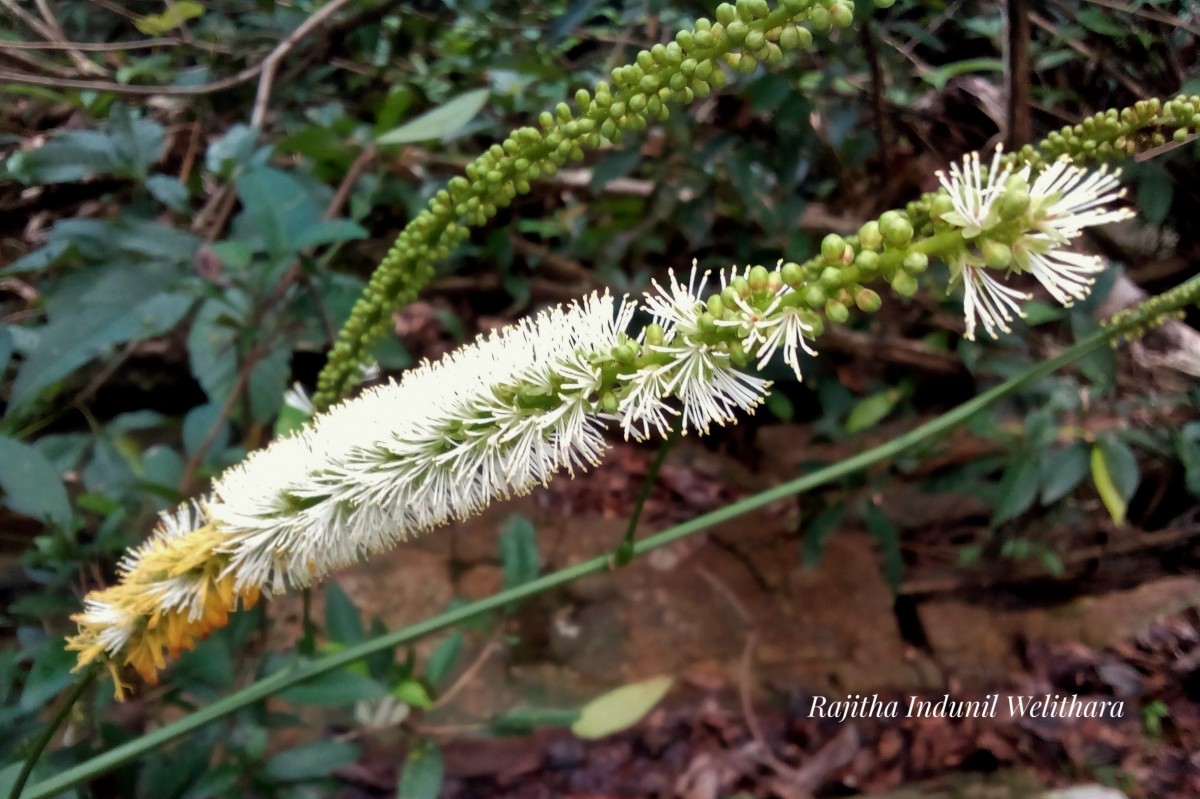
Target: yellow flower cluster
(173, 591)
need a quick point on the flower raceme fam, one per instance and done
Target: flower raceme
(1022, 227)
(508, 412)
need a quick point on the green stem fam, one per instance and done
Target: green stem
(624, 552)
(85, 681)
(1144, 314)
(308, 637)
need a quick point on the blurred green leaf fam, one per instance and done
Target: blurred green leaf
(50, 674)
(888, 537)
(6, 348)
(412, 693)
(443, 657)
(333, 689)
(818, 530)
(1155, 192)
(1061, 470)
(621, 708)
(423, 771)
(441, 122)
(177, 13)
(938, 78)
(311, 760)
(31, 485)
(1018, 490)
(871, 410)
(168, 191)
(66, 344)
(343, 622)
(214, 353)
(519, 551)
(1187, 444)
(1115, 474)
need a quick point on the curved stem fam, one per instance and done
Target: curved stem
(1143, 315)
(624, 552)
(85, 681)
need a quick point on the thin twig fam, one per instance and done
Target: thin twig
(1147, 13)
(265, 69)
(245, 76)
(93, 47)
(29, 20)
(469, 672)
(59, 36)
(197, 457)
(347, 185)
(271, 62)
(1087, 52)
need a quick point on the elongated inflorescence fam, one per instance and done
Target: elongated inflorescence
(516, 407)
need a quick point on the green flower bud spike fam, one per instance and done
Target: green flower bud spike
(639, 94)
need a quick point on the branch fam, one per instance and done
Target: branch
(271, 62)
(265, 68)
(93, 47)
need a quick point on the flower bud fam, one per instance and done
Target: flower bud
(815, 296)
(897, 230)
(995, 254)
(904, 284)
(1013, 202)
(758, 279)
(837, 312)
(608, 402)
(737, 354)
(737, 31)
(867, 262)
(654, 335)
(867, 300)
(832, 247)
(870, 237)
(842, 15)
(915, 263)
(941, 204)
(792, 274)
(831, 278)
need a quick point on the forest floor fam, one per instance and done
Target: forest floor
(753, 635)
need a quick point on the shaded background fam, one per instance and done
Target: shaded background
(178, 245)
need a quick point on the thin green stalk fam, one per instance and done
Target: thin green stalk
(308, 637)
(52, 727)
(624, 552)
(1145, 314)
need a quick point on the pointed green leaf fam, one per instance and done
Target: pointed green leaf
(443, 658)
(31, 485)
(311, 760)
(1115, 473)
(871, 410)
(423, 772)
(343, 622)
(519, 551)
(441, 122)
(621, 708)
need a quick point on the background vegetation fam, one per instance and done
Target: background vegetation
(194, 194)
